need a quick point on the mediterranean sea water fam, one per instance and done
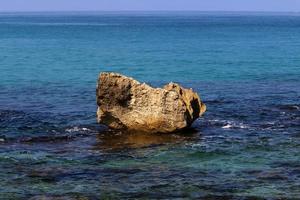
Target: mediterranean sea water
(245, 66)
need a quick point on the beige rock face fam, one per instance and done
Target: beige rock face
(126, 104)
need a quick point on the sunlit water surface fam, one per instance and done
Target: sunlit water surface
(246, 68)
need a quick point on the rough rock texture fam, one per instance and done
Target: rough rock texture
(124, 103)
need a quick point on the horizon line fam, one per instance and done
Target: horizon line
(224, 11)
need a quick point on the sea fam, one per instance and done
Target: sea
(244, 65)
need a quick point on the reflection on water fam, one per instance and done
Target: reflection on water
(118, 140)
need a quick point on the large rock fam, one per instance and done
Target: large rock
(126, 104)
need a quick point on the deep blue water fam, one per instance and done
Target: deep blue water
(245, 66)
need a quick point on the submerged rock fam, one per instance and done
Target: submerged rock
(126, 104)
(114, 140)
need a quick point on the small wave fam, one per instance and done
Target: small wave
(77, 129)
(46, 138)
(11, 113)
(226, 124)
(289, 107)
(229, 126)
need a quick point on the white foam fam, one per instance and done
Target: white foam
(234, 125)
(76, 129)
(227, 126)
(296, 107)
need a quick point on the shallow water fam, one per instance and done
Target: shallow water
(245, 67)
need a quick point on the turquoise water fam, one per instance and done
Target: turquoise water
(246, 67)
